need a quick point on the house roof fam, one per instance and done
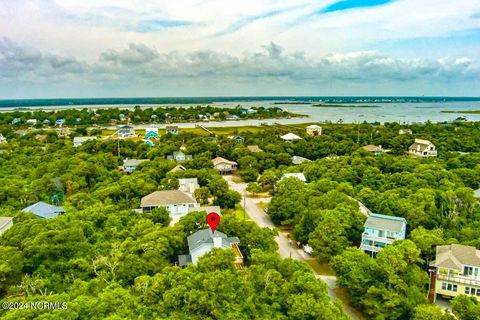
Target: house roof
(254, 149)
(4, 221)
(219, 160)
(405, 130)
(290, 136)
(372, 148)
(83, 139)
(454, 256)
(187, 180)
(314, 126)
(423, 144)
(133, 162)
(166, 197)
(476, 193)
(383, 222)
(208, 209)
(299, 176)
(44, 210)
(206, 236)
(299, 160)
(178, 167)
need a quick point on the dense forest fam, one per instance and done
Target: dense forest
(108, 261)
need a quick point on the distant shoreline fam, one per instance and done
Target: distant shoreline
(462, 111)
(342, 106)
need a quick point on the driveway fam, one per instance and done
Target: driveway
(285, 249)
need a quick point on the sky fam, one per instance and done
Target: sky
(167, 48)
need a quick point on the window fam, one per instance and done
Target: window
(470, 271)
(449, 287)
(472, 291)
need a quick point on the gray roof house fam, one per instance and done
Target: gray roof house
(78, 141)
(130, 165)
(299, 160)
(382, 230)
(188, 185)
(203, 241)
(5, 223)
(44, 210)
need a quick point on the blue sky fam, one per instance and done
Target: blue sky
(84, 48)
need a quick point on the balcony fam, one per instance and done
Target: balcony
(366, 247)
(386, 240)
(459, 279)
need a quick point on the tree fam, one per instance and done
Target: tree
(228, 199)
(161, 215)
(431, 312)
(465, 307)
(254, 188)
(202, 194)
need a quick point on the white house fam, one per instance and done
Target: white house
(405, 131)
(176, 202)
(300, 176)
(224, 166)
(290, 137)
(32, 121)
(203, 241)
(2, 139)
(314, 130)
(126, 132)
(422, 148)
(188, 185)
(5, 223)
(78, 141)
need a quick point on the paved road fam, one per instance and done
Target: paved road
(285, 249)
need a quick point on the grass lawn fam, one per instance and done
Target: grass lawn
(342, 295)
(237, 212)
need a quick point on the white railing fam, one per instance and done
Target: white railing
(459, 279)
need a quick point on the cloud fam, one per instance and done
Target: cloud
(354, 4)
(139, 63)
(158, 24)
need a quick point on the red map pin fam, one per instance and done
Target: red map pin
(213, 219)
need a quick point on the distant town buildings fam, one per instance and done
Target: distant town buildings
(176, 202)
(422, 148)
(203, 241)
(314, 130)
(224, 166)
(290, 137)
(456, 271)
(78, 141)
(179, 156)
(44, 210)
(64, 132)
(5, 223)
(382, 230)
(130, 165)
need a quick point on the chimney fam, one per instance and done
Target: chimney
(217, 242)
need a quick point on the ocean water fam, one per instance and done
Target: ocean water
(389, 109)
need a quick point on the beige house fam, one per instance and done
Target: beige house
(457, 271)
(314, 130)
(5, 223)
(376, 150)
(254, 149)
(224, 166)
(422, 148)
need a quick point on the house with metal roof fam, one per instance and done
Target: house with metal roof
(382, 230)
(130, 165)
(176, 202)
(224, 166)
(299, 160)
(456, 271)
(5, 223)
(203, 241)
(422, 148)
(44, 210)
